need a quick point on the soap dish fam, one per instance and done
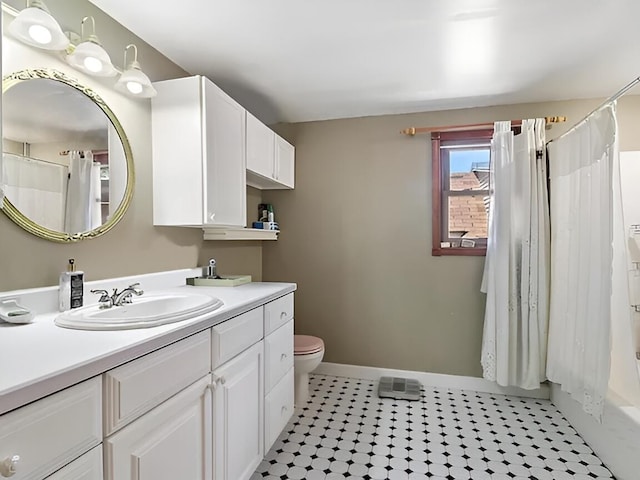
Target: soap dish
(228, 281)
(12, 312)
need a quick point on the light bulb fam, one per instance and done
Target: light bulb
(93, 64)
(134, 87)
(40, 34)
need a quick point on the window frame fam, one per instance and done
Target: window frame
(440, 198)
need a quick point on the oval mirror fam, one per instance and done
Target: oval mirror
(67, 164)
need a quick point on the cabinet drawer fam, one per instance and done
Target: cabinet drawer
(278, 409)
(87, 467)
(278, 348)
(49, 433)
(277, 313)
(136, 387)
(234, 336)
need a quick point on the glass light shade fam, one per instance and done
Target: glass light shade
(90, 58)
(134, 82)
(38, 28)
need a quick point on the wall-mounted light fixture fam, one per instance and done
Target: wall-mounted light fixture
(89, 56)
(35, 26)
(133, 80)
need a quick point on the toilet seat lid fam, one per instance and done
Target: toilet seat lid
(306, 344)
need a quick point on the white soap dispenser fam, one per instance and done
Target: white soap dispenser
(71, 287)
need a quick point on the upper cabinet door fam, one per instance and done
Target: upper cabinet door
(260, 148)
(225, 158)
(199, 155)
(270, 159)
(176, 134)
(285, 162)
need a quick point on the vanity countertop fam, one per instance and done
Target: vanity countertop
(40, 358)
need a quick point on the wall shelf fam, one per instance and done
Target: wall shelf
(235, 233)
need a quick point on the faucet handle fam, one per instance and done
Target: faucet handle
(134, 288)
(105, 299)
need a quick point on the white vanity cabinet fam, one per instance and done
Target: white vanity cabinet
(196, 409)
(279, 381)
(199, 159)
(48, 434)
(270, 158)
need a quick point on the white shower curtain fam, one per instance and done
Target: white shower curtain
(81, 193)
(37, 188)
(581, 226)
(516, 277)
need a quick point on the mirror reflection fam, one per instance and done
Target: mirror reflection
(64, 165)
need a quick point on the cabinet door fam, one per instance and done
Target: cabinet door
(285, 162)
(260, 148)
(238, 416)
(225, 160)
(172, 441)
(177, 144)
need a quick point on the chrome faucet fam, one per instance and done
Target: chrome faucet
(117, 299)
(126, 295)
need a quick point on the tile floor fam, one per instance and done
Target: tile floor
(346, 431)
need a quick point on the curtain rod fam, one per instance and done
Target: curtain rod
(609, 100)
(414, 130)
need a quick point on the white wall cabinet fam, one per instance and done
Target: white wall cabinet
(238, 418)
(270, 158)
(285, 162)
(199, 157)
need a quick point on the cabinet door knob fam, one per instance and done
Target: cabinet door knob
(212, 216)
(283, 314)
(217, 380)
(283, 357)
(283, 410)
(9, 466)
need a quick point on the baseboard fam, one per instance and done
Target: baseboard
(437, 380)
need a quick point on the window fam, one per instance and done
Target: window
(461, 191)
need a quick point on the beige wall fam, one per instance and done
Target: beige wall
(134, 246)
(356, 236)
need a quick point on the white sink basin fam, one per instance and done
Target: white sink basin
(144, 312)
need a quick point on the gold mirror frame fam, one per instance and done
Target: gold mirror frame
(62, 237)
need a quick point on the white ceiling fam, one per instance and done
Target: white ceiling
(300, 60)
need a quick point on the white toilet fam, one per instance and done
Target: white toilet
(307, 355)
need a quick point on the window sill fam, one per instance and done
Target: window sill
(459, 251)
